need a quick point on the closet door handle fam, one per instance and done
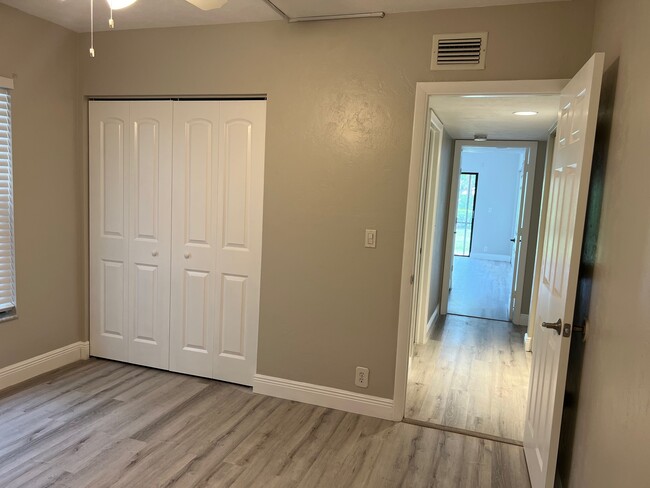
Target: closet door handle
(187, 255)
(154, 253)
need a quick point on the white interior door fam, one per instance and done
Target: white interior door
(194, 239)
(522, 231)
(558, 276)
(239, 198)
(448, 269)
(150, 235)
(108, 145)
(434, 142)
(418, 273)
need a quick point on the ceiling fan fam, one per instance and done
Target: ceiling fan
(202, 4)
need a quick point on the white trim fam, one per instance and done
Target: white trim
(25, 370)
(528, 343)
(7, 83)
(541, 227)
(525, 208)
(323, 396)
(422, 93)
(429, 196)
(491, 257)
(432, 321)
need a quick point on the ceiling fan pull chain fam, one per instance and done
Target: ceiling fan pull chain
(92, 29)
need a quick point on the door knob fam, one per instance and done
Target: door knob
(556, 326)
(513, 240)
(154, 253)
(187, 255)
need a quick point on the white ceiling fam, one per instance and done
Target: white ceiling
(463, 117)
(75, 14)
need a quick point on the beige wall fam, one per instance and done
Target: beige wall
(440, 226)
(339, 117)
(612, 434)
(47, 183)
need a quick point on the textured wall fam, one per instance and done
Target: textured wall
(47, 186)
(609, 446)
(340, 115)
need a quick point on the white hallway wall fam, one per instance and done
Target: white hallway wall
(497, 195)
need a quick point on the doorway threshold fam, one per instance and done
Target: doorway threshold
(470, 433)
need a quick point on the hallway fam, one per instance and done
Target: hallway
(480, 288)
(472, 374)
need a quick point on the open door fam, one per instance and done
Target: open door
(428, 189)
(522, 231)
(558, 276)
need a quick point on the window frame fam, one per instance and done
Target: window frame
(473, 210)
(11, 313)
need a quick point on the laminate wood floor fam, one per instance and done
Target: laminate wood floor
(100, 423)
(472, 374)
(481, 288)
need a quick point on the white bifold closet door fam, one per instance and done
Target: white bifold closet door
(217, 240)
(130, 230)
(176, 198)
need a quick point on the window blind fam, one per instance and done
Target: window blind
(7, 266)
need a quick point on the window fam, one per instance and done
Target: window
(465, 216)
(7, 266)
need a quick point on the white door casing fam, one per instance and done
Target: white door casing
(448, 267)
(558, 276)
(109, 142)
(522, 231)
(194, 239)
(150, 232)
(239, 239)
(432, 163)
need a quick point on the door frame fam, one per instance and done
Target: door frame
(541, 231)
(519, 267)
(431, 165)
(423, 91)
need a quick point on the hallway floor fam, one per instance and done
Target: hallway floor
(472, 374)
(481, 288)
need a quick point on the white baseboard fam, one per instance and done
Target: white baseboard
(24, 370)
(491, 257)
(432, 321)
(324, 396)
(528, 343)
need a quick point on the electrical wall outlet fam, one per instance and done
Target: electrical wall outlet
(361, 379)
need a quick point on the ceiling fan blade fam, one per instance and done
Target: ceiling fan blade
(208, 4)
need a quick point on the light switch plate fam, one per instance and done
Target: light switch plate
(371, 238)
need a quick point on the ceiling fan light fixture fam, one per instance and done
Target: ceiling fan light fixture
(118, 4)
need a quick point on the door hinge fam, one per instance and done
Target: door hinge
(412, 279)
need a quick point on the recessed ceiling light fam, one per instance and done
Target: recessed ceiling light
(525, 112)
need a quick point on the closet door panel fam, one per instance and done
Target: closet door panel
(109, 142)
(194, 241)
(150, 221)
(240, 202)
